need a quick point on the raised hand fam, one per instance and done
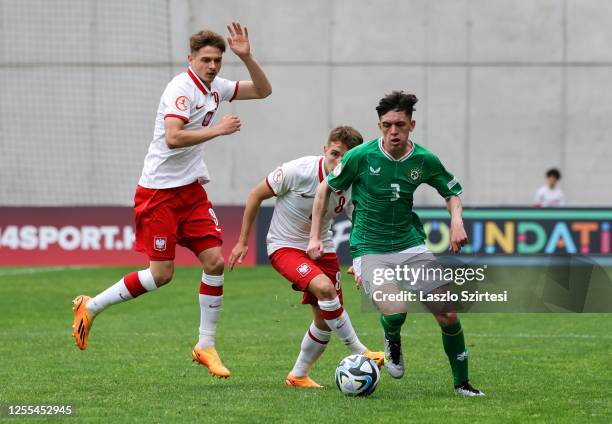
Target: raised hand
(239, 39)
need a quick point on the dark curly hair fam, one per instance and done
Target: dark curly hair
(398, 101)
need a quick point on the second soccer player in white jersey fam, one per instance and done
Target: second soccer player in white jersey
(171, 206)
(294, 184)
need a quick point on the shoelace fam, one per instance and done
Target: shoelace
(469, 388)
(395, 352)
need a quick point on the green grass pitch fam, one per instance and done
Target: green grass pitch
(137, 368)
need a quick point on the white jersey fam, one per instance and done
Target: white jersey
(549, 198)
(187, 98)
(295, 184)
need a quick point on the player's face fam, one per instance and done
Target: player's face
(552, 181)
(396, 127)
(333, 153)
(206, 63)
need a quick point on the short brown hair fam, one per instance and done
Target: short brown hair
(346, 135)
(206, 38)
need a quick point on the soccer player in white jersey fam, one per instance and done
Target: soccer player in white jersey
(170, 204)
(294, 184)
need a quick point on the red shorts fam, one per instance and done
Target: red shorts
(296, 266)
(165, 217)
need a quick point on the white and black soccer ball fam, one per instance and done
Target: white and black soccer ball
(357, 375)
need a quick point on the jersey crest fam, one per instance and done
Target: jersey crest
(182, 103)
(415, 174)
(277, 177)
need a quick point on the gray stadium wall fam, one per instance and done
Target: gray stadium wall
(507, 88)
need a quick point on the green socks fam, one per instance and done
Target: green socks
(392, 324)
(452, 339)
(454, 346)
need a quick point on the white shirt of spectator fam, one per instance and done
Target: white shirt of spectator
(295, 184)
(549, 198)
(187, 98)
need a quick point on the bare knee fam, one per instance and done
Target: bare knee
(162, 272)
(446, 318)
(322, 288)
(214, 265)
(212, 261)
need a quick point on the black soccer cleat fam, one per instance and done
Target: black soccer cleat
(466, 389)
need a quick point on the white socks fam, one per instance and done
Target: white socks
(137, 283)
(129, 287)
(313, 344)
(211, 299)
(338, 320)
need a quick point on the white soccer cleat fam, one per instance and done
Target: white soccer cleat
(394, 359)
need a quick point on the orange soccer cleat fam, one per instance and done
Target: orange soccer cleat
(304, 381)
(82, 321)
(378, 357)
(209, 357)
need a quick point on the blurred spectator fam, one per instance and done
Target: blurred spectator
(550, 195)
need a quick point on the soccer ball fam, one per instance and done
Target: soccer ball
(357, 375)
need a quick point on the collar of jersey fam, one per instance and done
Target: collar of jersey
(322, 173)
(391, 158)
(197, 81)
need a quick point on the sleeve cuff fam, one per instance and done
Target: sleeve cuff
(453, 194)
(173, 115)
(336, 190)
(235, 93)
(270, 187)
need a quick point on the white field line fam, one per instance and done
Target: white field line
(38, 270)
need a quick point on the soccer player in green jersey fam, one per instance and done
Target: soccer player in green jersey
(386, 234)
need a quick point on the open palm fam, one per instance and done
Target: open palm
(239, 39)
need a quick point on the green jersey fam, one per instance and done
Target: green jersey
(382, 193)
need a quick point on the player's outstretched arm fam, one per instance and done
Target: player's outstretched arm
(315, 247)
(458, 236)
(259, 87)
(256, 196)
(176, 135)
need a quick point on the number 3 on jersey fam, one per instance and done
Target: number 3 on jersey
(396, 193)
